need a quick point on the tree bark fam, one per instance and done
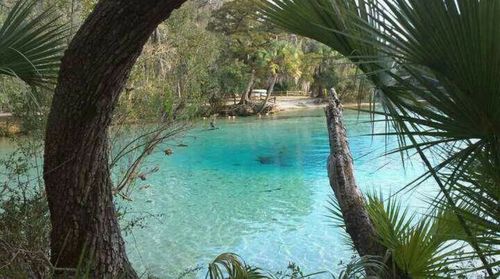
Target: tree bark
(93, 72)
(341, 174)
(245, 97)
(269, 91)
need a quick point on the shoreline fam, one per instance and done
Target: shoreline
(284, 104)
(10, 126)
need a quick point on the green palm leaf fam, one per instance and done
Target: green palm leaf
(435, 68)
(231, 266)
(356, 269)
(31, 47)
(421, 247)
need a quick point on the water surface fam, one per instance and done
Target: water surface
(256, 187)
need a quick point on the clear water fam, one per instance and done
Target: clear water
(258, 188)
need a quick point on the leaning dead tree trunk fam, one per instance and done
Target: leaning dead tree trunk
(93, 73)
(349, 197)
(245, 97)
(269, 91)
(341, 174)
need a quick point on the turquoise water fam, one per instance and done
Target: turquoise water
(256, 187)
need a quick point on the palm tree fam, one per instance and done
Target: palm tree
(31, 47)
(280, 59)
(434, 66)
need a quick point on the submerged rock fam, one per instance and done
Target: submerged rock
(168, 151)
(271, 190)
(266, 160)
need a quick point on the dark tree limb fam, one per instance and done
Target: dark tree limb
(269, 91)
(245, 97)
(77, 177)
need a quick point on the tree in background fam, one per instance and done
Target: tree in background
(232, 79)
(280, 60)
(245, 36)
(172, 71)
(174, 66)
(324, 73)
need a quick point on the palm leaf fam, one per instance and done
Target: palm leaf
(357, 268)
(31, 46)
(420, 247)
(440, 88)
(229, 265)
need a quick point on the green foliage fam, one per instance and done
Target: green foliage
(421, 247)
(427, 245)
(326, 22)
(31, 47)
(29, 105)
(281, 58)
(443, 101)
(231, 266)
(245, 34)
(24, 219)
(232, 77)
(356, 269)
(174, 68)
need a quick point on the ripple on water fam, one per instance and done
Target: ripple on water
(256, 187)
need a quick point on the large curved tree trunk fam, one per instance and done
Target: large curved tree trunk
(347, 193)
(77, 177)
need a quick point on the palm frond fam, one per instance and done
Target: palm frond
(229, 265)
(435, 66)
(31, 46)
(421, 247)
(327, 21)
(356, 269)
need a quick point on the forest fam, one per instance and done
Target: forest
(249, 139)
(238, 55)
